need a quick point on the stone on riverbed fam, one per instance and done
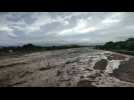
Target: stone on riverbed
(116, 57)
(85, 83)
(125, 72)
(101, 65)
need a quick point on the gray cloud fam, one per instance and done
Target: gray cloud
(43, 28)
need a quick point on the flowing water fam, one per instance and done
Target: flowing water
(77, 67)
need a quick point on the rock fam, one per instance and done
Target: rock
(101, 65)
(85, 83)
(116, 57)
(125, 72)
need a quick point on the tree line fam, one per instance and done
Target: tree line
(120, 45)
(32, 48)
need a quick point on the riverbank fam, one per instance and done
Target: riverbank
(124, 52)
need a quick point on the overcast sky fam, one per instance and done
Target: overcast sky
(51, 28)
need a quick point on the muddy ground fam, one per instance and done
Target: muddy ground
(79, 67)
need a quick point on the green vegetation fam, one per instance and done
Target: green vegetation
(121, 46)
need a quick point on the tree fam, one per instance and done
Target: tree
(109, 45)
(129, 44)
(28, 46)
(124, 45)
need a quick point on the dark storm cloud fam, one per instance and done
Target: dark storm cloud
(44, 28)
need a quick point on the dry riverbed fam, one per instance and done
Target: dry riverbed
(79, 67)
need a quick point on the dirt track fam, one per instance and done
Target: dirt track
(66, 68)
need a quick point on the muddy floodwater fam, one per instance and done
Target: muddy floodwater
(78, 67)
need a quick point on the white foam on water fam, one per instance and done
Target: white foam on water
(112, 65)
